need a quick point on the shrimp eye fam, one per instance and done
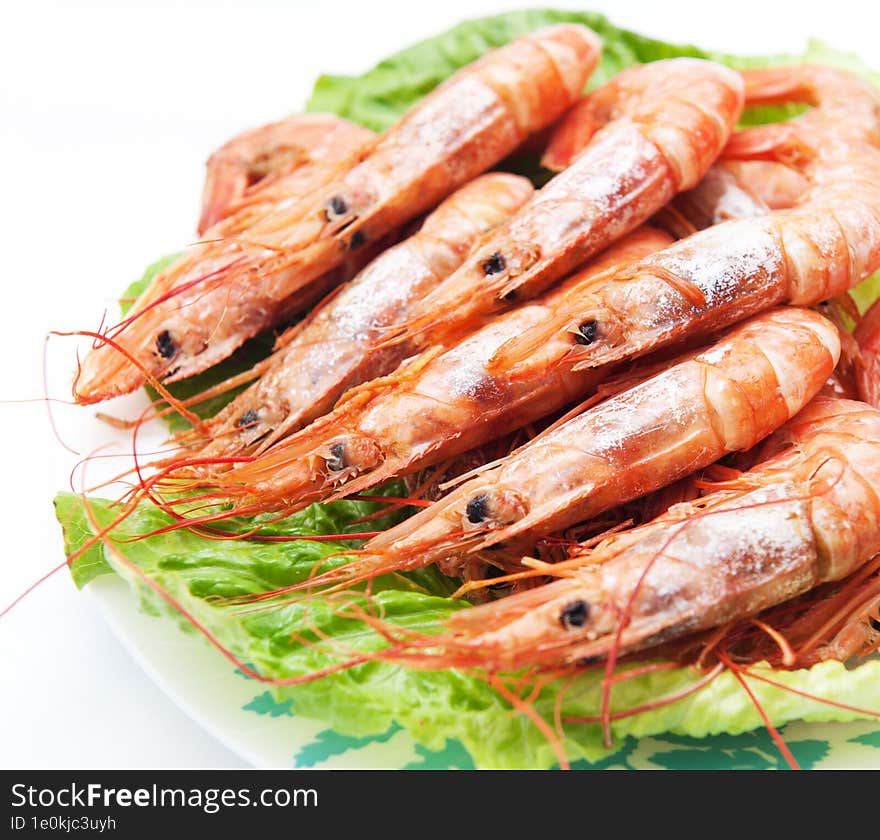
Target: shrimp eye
(247, 419)
(494, 572)
(165, 344)
(336, 207)
(494, 265)
(335, 462)
(575, 614)
(874, 622)
(587, 332)
(477, 509)
(586, 661)
(357, 239)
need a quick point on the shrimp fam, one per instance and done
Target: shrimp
(331, 351)
(807, 516)
(201, 309)
(666, 123)
(827, 243)
(438, 405)
(278, 158)
(722, 399)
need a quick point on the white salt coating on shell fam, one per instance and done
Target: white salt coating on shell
(600, 182)
(753, 537)
(717, 260)
(380, 291)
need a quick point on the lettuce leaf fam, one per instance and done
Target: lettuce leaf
(380, 96)
(447, 704)
(433, 705)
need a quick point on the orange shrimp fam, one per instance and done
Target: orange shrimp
(332, 351)
(722, 399)
(827, 243)
(666, 123)
(809, 515)
(279, 159)
(202, 308)
(436, 406)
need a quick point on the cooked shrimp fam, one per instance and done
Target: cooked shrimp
(823, 246)
(666, 122)
(809, 515)
(202, 308)
(282, 155)
(722, 399)
(332, 350)
(432, 408)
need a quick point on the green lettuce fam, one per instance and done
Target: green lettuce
(433, 705)
(279, 641)
(379, 97)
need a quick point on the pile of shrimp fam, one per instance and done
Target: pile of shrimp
(637, 409)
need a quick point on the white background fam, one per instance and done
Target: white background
(107, 112)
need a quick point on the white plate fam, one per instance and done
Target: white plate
(243, 715)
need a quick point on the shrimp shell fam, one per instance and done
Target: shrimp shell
(200, 311)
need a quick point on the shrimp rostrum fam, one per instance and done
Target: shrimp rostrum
(202, 308)
(807, 516)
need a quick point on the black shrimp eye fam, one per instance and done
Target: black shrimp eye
(247, 419)
(477, 509)
(874, 622)
(575, 614)
(357, 239)
(587, 332)
(493, 572)
(586, 661)
(336, 207)
(494, 265)
(165, 344)
(335, 462)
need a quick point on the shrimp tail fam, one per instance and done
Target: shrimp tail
(778, 142)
